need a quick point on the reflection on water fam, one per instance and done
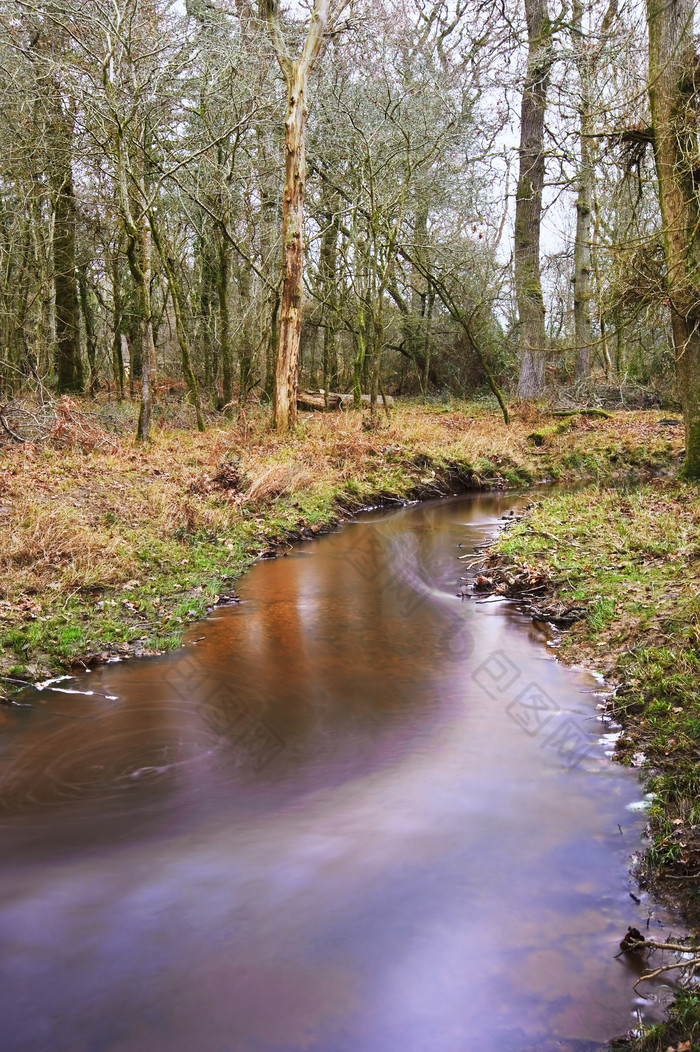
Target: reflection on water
(360, 815)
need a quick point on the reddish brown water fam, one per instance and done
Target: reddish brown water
(360, 815)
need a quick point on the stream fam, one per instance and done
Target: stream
(354, 813)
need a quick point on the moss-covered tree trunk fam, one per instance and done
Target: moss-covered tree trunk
(330, 203)
(245, 349)
(584, 201)
(68, 364)
(139, 252)
(269, 255)
(223, 274)
(672, 96)
(528, 201)
(207, 251)
(118, 372)
(87, 306)
(179, 303)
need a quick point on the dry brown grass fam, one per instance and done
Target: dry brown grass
(279, 479)
(73, 514)
(54, 546)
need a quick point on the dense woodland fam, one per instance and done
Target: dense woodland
(407, 197)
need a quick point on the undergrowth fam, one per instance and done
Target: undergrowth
(109, 548)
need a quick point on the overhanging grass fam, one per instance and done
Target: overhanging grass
(634, 559)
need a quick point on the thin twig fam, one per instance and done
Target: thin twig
(9, 430)
(551, 537)
(666, 968)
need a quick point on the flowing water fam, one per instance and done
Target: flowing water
(355, 813)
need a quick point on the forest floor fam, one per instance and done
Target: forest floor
(619, 569)
(108, 548)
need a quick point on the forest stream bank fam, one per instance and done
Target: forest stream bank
(109, 549)
(618, 570)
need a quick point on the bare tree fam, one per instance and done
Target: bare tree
(296, 73)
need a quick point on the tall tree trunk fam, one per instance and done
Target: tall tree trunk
(68, 365)
(117, 323)
(672, 67)
(330, 204)
(296, 74)
(289, 325)
(139, 252)
(222, 283)
(583, 331)
(207, 299)
(246, 351)
(428, 323)
(44, 321)
(528, 201)
(88, 310)
(179, 308)
(414, 322)
(269, 256)
(134, 340)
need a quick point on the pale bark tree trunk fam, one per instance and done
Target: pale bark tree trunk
(296, 72)
(289, 324)
(528, 201)
(672, 66)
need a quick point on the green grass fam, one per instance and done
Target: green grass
(632, 558)
(87, 523)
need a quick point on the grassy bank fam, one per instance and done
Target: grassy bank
(108, 548)
(628, 564)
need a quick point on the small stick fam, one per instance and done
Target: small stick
(9, 430)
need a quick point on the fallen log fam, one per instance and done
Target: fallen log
(349, 399)
(314, 401)
(581, 412)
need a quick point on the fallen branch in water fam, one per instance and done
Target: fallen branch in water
(690, 965)
(635, 943)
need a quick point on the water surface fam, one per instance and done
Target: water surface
(359, 815)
